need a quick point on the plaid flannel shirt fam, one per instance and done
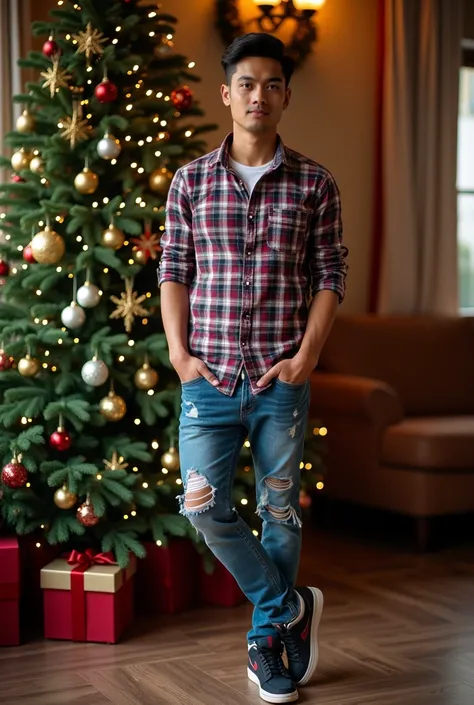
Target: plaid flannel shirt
(252, 264)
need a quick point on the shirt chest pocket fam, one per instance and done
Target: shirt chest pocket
(287, 228)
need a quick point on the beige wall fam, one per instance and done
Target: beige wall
(331, 118)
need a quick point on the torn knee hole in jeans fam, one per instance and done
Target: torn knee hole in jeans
(286, 514)
(279, 483)
(198, 495)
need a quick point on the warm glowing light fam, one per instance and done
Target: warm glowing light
(137, 422)
(145, 485)
(155, 445)
(319, 485)
(244, 501)
(323, 431)
(159, 543)
(308, 4)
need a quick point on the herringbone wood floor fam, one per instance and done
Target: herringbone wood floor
(398, 629)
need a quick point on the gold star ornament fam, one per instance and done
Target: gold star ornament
(115, 463)
(56, 78)
(90, 41)
(128, 305)
(75, 129)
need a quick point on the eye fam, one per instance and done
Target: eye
(245, 85)
(274, 85)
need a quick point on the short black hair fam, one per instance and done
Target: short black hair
(256, 44)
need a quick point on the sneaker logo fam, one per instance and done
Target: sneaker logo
(305, 632)
(254, 665)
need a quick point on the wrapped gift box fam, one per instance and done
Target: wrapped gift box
(219, 587)
(87, 602)
(9, 592)
(35, 553)
(166, 578)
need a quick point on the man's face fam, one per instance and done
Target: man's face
(257, 94)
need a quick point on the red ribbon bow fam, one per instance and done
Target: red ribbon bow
(82, 562)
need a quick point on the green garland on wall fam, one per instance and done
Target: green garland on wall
(230, 26)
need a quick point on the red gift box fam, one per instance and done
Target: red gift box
(166, 577)
(9, 592)
(87, 597)
(219, 587)
(35, 553)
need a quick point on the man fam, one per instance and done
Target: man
(251, 275)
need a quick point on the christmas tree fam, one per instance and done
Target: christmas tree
(88, 400)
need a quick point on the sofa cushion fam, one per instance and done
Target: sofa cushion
(428, 360)
(430, 443)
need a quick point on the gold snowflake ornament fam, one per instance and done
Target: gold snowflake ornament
(56, 78)
(128, 305)
(75, 128)
(148, 243)
(115, 463)
(90, 41)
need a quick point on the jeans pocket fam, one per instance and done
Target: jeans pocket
(192, 382)
(290, 385)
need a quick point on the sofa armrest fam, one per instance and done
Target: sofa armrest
(355, 396)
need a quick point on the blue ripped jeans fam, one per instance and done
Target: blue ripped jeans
(213, 427)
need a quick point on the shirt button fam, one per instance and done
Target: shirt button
(247, 283)
(244, 344)
(250, 216)
(249, 252)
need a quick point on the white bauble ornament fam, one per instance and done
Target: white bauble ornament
(88, 295)
(109, 147)
(95, 372)
(73, 316)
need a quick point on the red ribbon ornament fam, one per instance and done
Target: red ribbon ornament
(82, 562)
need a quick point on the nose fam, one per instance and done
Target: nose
(259, 96)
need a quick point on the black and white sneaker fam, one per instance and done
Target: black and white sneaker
(300, 637)
(267, 670)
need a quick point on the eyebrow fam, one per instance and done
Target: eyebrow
(251, 78)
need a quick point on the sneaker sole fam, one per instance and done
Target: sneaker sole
(272, 697)
(314, 655)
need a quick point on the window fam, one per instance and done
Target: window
(465, 187)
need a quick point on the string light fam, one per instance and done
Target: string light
(85, 248)
(323, 431)
(155, 445)
(24, 266)
(159, 543)
(158, 153)
(131, 343)
(76, 340)
(255, 532)
(70, 275)
(115, 41)
(141, 170)
(164, 471)
(38, 545)
(24, 420)
(59, 269)
(46, 353)
(145, 485)
(14, 270)
(133, 513)
(60, 341)
(105, 200)
(308, 466)
(38, 292)
(106, 270)
(99, 476)
(79, 238)
(113, 162)
(20, 248)
(319, 485)
(125, 516)
(244, 501)
(95, 204)
(135, 469)
(44, 321)
(179, 481)
(191, 64)
(122, 205)
(121, 358)
(151, 392)
(137, 422)
(152, 14)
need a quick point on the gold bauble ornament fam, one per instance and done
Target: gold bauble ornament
(113, 238)
(113, 407)
(48, 246)
(37, 165)
(26, 122)
(86, 182)
(29, 366)
(140, 256)
(146, 377)
(170, 459)
(64, 499)
(160, 180)
(21, 159)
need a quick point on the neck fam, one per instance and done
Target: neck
(252, 150)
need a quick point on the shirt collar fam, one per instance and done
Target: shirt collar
(282, 155)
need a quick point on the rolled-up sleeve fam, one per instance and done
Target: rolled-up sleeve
(178, 263)
(327, 254)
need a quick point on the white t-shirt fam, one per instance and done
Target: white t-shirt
(249, 174)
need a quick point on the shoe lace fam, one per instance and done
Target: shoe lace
(291, 645)
(272, 663)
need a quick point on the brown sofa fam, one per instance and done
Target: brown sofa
(397, 396)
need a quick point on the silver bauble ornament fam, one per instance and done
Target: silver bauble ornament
(109, 147)
(95, 372)
(88, 295)
(73, 316)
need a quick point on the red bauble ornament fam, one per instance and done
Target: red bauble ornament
(60, 440)
(4, 268)
(28, 255)
(5, 361)
(305, 500)
(14, 475)
(17, 179)
(50, 48)
(106, 92)
(182, 98)
(85, 514)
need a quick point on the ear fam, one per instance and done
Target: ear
(287, 98)
(225, 94)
